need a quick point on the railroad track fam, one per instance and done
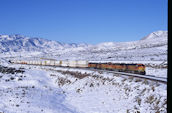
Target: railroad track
(149, 77)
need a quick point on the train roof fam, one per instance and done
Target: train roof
(118, 63)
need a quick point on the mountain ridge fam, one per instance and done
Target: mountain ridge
(150, 47)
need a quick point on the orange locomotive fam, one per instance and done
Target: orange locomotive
(120, 67)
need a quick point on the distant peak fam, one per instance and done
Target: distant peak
(156, 34)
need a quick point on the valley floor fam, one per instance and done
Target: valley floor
(43, 89)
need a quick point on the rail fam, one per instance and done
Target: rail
(150, 77)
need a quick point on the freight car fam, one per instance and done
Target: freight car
(120, 67)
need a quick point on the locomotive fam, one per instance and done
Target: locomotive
(119, 67)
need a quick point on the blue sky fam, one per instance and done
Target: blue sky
(83, 21)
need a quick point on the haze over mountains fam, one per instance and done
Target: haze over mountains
(150, 47)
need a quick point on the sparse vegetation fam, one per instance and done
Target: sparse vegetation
(75, 74)
(145, 82)
(121, 84)
(150, 99)
(138, 80)
(9, 70)
(61, 81)
(143, 91)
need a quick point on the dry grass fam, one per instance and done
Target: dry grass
(124, 79)
(143, 91)
(145, 82)
(61, 81)
(75, 74)
(138, 80)
(150, 99)
(79, 90)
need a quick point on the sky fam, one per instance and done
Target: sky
(83, 21)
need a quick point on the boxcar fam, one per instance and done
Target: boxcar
(64, 63)
(57, 63)
(82, 63)
(72, 63)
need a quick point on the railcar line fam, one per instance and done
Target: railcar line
(149, 77)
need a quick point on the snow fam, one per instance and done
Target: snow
(160, 72)
(152, 48)
(33, 93)
(56, 90)
(109, 93)
(45, 89)
(155, 34)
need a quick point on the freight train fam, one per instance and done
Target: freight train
(120, 67)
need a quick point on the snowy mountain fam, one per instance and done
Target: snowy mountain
(151, 47)
(16, 43)
(157, 34)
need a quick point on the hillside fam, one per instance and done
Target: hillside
(44, 89)
(150, 47)
(50, 89)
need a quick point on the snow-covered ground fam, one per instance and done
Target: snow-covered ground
(31, 92)
(159, 72)
(66, 90)
(43, 89)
